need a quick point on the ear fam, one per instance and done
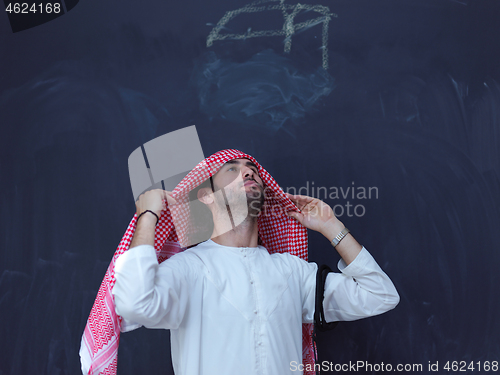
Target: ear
(205, 196)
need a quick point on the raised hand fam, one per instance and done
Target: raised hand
(315, 214)
(154, 200)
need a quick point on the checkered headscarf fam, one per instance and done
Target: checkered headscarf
(278, 234)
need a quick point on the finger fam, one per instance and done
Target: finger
(167, 195)
(171, 200)
(291, 197)
(296, 215)
(295, 200)
(305, 204)
(300, 199)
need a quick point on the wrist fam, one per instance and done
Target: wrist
(332, 228)
(144, 233)
(147, 217)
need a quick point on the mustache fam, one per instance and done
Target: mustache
(253, 180)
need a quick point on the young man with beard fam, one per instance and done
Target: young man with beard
(232, 306)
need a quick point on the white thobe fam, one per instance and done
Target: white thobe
(239, 310)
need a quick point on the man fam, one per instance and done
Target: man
(231, 306)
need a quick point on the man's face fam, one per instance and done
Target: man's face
(242, 186)
(240, 174)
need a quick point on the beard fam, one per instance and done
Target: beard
(240, 204)
(255, 201)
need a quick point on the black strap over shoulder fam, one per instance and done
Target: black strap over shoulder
(319, 314)
(320, 324)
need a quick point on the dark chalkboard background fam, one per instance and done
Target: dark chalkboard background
(409, 104)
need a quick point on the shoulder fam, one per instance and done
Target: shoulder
(187, 260)
(293, 263)
(196, 256)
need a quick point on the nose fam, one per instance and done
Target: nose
(247, 172)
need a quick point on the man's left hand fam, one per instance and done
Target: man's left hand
(315, 214)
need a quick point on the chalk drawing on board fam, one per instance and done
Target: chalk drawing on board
(290, 28)
(266, 91)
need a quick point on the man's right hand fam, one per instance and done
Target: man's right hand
(156, 201)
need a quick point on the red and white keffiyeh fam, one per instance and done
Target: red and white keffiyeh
(278, 234)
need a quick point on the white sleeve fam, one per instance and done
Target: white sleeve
(361, 290)
(149, 294)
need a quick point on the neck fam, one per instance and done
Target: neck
(244, 235)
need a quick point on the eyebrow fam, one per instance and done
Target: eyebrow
(248, 164)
